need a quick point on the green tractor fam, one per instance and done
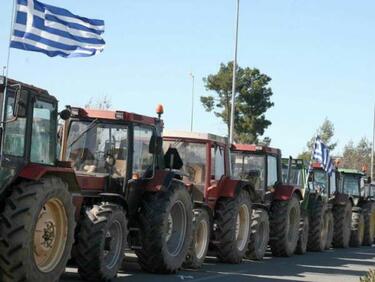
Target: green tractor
(352, 182)
(327, 204)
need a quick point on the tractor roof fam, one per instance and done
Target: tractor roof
(297, 163)
(32, 88)
(194, 136)
(350, 171)
(255, 148)
(112, 115)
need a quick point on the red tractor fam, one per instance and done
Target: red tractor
(278, 205)
(222, 205)
(36, 207)
(130, 196)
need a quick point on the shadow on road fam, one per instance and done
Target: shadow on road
(337, 265)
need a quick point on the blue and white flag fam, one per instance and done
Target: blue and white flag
(321, 155)
(55, 31)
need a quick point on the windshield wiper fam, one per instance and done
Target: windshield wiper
(93, 124)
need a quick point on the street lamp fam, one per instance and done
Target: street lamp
(234, 76)
(192, 101)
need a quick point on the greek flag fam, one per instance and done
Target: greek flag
(55, 31)
(321, 155)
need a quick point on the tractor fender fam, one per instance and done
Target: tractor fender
(162, 179)
(35, 172)
(232, 187)
(114, 198)
(286, 192)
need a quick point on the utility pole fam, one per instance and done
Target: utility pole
(234, 76)
(192, 101)
(373, 149)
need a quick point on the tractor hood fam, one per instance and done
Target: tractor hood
(6, 176)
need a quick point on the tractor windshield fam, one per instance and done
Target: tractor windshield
(250, 167)
(194, 160)
(98, 149)
(320, 182)
(296, 175)
(350, 185)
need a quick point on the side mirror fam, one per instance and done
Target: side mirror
(110, 160)
(65, 114)
(156, 145)
(172, 159)
(20, 103)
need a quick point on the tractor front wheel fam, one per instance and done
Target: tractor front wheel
(101, 242)
(260, 230)
(201, 238)
(285, 222)
(303, 237)
(166, 221)
(358, 229)
(329, 228)
(37, 231)
(369, 218)
(342, 216)
(233, 221)
(318, 226)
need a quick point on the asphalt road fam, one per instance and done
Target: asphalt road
(333, 265)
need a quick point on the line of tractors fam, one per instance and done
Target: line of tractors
(82, 186)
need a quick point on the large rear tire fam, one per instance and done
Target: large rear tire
(303, 236)
(37, 231)
(342, 216)
(260, 230)
(101, 242)
(166, 220)
(285, 221)
(201, 239)
(318, 231)
(369, 218)
(358, 229)
(233, 221)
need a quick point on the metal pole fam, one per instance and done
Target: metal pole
(192, 102)
(373, 149)
(10, 39)
(231, 133)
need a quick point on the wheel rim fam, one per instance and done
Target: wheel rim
(242, 227)
(361, 230)
(200, 239)
(292, 224)
(176, 228)
(50, 235)
(113, 244)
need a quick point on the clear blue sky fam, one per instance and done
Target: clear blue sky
(320, 55)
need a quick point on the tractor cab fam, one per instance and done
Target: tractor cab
(351, 183)
(260, 165)
(296, 175)
(205, 158)
(321, 183)
(112, 151)
(28, 130)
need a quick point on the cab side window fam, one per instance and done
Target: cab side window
(271, 171)
(143, 160)
(43, 143)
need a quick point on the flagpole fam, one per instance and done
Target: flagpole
(12, 19)
(3, 110)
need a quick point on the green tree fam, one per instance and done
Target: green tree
(252, 100)
(357, 156)
(326, 132)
